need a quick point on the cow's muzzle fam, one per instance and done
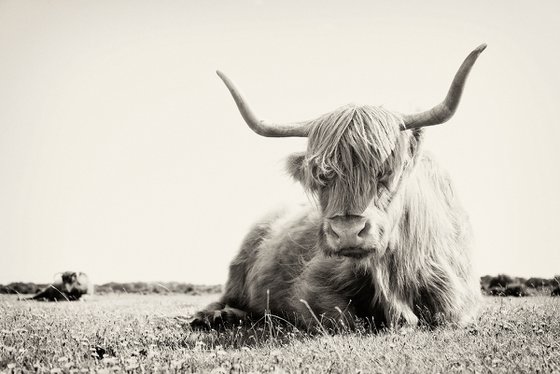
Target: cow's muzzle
(349, 236)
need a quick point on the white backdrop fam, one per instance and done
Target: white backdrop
(122, 154)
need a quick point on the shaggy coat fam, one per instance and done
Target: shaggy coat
(358, 162)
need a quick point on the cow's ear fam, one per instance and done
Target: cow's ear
(294, 165)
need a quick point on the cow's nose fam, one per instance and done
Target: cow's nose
(348, 231)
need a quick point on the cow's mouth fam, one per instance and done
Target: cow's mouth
(354, 252)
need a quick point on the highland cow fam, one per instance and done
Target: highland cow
(68, 286)
(386, 238)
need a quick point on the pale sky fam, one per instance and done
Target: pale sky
(123, 155)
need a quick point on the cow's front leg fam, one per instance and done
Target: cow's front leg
(399, 313)
(217, 315)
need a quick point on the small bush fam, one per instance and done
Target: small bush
(501, 280)
(155, 287)
(539, 283)
(517, 290)
(496, 291)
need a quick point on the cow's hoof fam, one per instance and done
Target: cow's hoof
(199, 324)
(215, 319)
(230, 316)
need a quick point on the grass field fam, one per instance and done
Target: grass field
(135, 333)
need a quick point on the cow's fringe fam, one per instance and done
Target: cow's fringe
(349, 151)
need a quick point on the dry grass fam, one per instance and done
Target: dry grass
(133, 333)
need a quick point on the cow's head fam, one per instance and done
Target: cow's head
(356, 160)
(69, 277)
(69, 281)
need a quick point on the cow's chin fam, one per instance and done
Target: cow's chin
(351, 253)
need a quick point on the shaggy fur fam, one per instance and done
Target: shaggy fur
(359, 162)
(350, 152)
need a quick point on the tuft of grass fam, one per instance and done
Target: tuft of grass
(150, 333)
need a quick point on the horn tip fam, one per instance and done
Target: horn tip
(481, 48)
(223, 77)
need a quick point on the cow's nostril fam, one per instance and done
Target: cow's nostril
(332, 232)
(364, 231)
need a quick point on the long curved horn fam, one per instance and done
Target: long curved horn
(445, 110)
(259, 126)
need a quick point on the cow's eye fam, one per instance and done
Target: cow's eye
(381, 180)
(383, 184)
(325, 178)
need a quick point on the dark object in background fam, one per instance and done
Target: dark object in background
(556, 291)
(21, 288)
(496, 291)
(501, 280)
(539, 283)
(516, 290)
(70, 286)
(146, 288)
